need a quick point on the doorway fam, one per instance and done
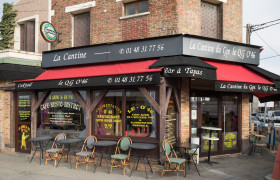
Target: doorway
(216, 110)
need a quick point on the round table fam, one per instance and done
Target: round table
(143, 147)
(68, 142)
(38, 143)
(187, 147)
(105, 144)
(210, 138)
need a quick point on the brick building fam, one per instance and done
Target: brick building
(151, 70)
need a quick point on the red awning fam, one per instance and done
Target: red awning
(129, 67)
(237, 73)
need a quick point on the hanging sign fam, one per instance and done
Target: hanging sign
(48, 32)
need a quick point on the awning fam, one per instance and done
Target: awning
(185, 66)
(113, 74)
(238, 78)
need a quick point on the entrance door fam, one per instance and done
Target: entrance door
(216, 111)
(23, 123)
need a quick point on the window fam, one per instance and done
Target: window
(140, 115)
(61, 112)
(136, 7)
(27, 36)
(109, 114)
(82, 29)
(211, 19)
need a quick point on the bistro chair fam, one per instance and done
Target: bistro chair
(122, 147)
(258, 144)
(171, 158)
(87, 152)
(56, 149)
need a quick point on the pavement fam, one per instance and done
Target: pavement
(16, 166)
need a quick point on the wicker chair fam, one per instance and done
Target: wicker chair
(171, 159)
(56, 149)
(87, 152)
(122, 146)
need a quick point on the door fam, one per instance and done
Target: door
(23, 123)
(216, 111)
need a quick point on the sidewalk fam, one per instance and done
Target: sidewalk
(230, 167)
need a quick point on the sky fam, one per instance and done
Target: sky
(254, 12)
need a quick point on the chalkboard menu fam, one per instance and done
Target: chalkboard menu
(24, 108)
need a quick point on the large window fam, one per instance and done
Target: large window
(136, 7)
(109, 114)
(82, 29)
(61, 112)
(140, 115)
(27, 36)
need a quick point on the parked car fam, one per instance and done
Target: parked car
(262, 117)
(254, 114)
(274, 116)
(256, 122)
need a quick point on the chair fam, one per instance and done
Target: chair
(87, 152)
(192, 157)
(56, 149)
(258, 144)
(171, 158)
(122, 146)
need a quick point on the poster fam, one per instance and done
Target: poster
(205, 143)
(24, 108)
(230, 141)
(140, 116)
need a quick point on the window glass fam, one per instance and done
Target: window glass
(171, 121)
(109, 114)
(130, 9)
(61, 112)
(140, 115)
(142, 6)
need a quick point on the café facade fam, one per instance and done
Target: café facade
(150, 90)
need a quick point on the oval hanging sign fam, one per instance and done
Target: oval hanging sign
(48, 32)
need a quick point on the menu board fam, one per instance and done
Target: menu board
(24, 108)
(140, 116)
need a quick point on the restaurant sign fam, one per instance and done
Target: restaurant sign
(48, 32)
(244, 87)
(126, 79)
(190, 71)
(153, 48)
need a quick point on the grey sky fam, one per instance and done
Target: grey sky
(254, 12)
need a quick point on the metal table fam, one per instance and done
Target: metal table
(104, 144)
(210, 138)
(187, 147)
(143, 147)
(38, 143)
(68, 142)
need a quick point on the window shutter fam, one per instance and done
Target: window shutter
(210, 18)
(82, 29)
(30, 43)
(22, 37)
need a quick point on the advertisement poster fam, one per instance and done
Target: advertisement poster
(205, 143)
(24, 108)
(230, 141)
(140, 116)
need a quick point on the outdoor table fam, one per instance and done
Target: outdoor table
(68, 142)
(187, 147)
(210, 138)
(143, 147)
(104, 144)
(38, 143)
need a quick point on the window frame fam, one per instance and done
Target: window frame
(136, 7)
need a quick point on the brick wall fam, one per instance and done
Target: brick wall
(245, 123)
(166, 17)
(185, 111)
(4, 117)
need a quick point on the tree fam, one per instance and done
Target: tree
(7, 26)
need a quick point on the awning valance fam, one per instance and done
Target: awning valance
(113, 74)
(238, 78)
(185, 66)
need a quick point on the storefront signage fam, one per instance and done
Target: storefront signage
(140, 116)
(220, 50)
(128, 79)
(244, 87)
(48, 32)
(153, 48)
(189, 71)
(205, 143)
(24, 108)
